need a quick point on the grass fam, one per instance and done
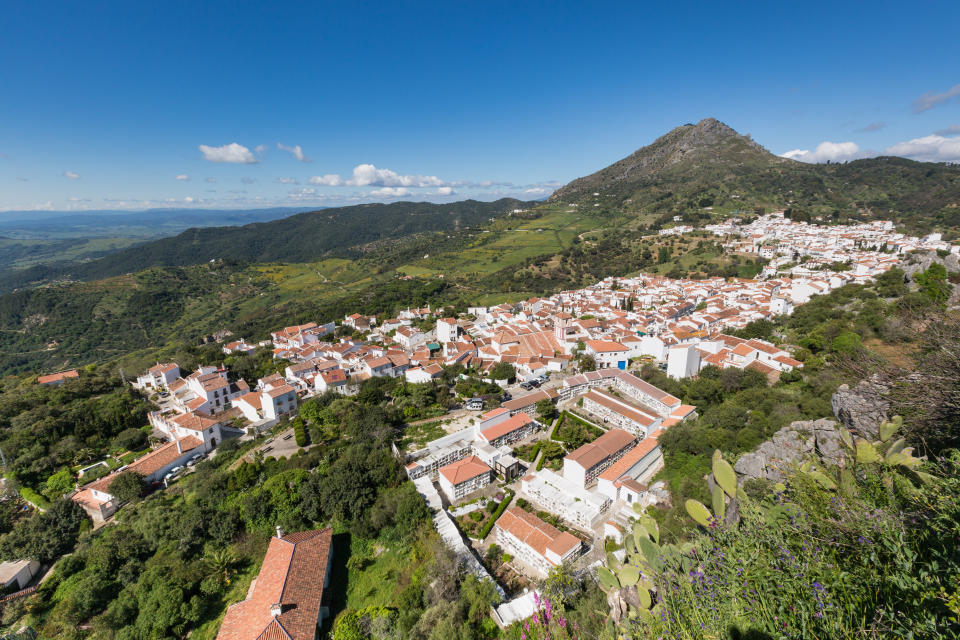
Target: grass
(421, 434)
(373, 571)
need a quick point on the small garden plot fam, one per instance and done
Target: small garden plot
(551, 455)
(419, 435)
(574, 432)
(477, 524)
(527, 452)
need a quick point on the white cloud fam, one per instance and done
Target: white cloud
(188, 199)
(296, 152)
(390, 192)
(931, 148)
(246, 180)
(367, 175)
(260, 148)
(952, 130)
(930, 100)
(183, 177)
(445, 191)
(329, 180)
(287, 180)
(211, 180)
(873, 126)
(233, 153)
(832, 151)
(71, 175)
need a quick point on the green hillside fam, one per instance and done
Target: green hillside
(303, 237)
(710, 165)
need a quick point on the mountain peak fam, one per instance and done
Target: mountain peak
(690, 150)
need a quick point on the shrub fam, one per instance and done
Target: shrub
(485, 530)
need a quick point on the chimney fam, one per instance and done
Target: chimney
(179, 448)
(276, 609)
(279, 532)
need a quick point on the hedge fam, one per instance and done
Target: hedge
(34, 498)
(485, 530)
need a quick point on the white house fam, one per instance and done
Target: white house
(463, 477)
(683, 361)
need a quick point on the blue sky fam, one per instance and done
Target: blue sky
(105, 105)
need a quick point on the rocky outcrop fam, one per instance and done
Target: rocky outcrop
(922, 262)
(788, 446)
(861, 408)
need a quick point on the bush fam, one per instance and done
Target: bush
(485, 530)
(300, 433)
(131, 439)
(34, 498)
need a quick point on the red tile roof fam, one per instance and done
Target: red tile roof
(535, 533)
(292, 575)
(464, 470)
(57, 377)
(501, 429)
(606, 446)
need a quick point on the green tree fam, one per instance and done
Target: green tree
(933, 283)
(127, 486)
(58, 484)
(503, 371)
(546, 411)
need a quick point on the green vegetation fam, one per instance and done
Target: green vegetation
(492, 520)
(339, 232)
(47, 431)
(574, 432)
(710, 162)
(835, 551)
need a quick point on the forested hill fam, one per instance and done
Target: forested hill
(299, 238)
(711, 165)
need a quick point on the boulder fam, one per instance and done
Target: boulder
(790, 445)
(862, 408)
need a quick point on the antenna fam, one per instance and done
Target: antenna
(123, 377)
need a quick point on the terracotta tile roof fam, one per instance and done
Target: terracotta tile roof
(501, 429)
(293, 572)
(535, 533)
(57, 377)
(605, 346)
(252, 398)
(195, 421)
(632, 457)
(281, 390)
(463, 470)
(593, 453)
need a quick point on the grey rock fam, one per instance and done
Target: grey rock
(862, 408)
(790, 445)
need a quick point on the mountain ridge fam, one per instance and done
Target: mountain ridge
(709, 164)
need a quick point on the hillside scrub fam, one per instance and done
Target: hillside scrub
(864, 550)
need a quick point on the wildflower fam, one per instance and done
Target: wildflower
(818, 586)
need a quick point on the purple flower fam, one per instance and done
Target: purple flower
(818, 586)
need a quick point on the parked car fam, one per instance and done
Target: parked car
(526, 385)
(506, 397)
(288, 436)
(542, 378)
(475, 404)
(269, 440)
